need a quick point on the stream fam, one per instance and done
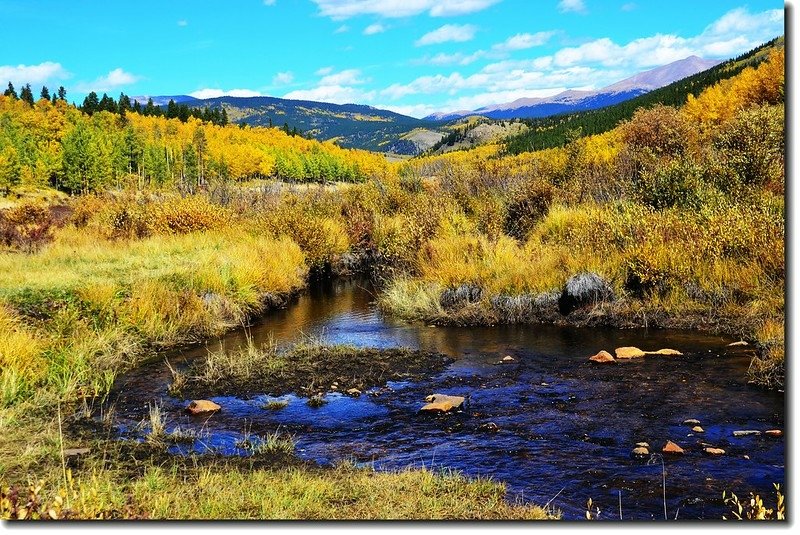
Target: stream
(565, 428)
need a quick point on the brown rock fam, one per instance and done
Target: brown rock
(442, 403)
(672, 448)
(691, 421)
(354, 392)
(629, 353)
(603, 356)
(698, 429)
(774, 433)
(202, 406)
(664, 352)
(640, 452)
(714, 451)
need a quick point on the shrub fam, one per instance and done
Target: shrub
(27, 226)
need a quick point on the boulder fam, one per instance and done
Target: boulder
(602, 357)
(640, 452)
(202, 406)
(442, 403)
(643, 445)
(672, 448)
(691, 421)
(664, 352)
(746, 433)
(460, 296)
(774, 433)
(714, 451)
(507, 358)
(353, 392)
(582, 290)
(698, 429)
(629, 353)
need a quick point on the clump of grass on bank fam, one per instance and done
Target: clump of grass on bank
(306, 368)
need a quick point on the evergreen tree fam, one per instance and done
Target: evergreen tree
(10, 92)
(45, 94)
(107, 104)
(137, 107)
(172, 109)
(149, 108)
(62, 93)
(54, 99)
(26, 94)
(91, 104)
(224, 117)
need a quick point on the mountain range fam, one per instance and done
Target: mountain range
(572, 101)
(366, 127)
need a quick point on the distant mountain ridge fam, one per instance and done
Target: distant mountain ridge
(163, 100)
(574, 100)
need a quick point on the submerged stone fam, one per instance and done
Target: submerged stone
(640, 452)
(698, 429)
(774, 433)
(442, 403)
(691, 421)
(664, 352)
(714, 451)
(202, 406)
(746, 433)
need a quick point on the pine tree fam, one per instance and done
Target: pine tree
(62, 93)
(224, 120)
(10, 92)
(91, 103)
(137, 107)
(149, 108)
(26, 94)
(172, 109)
(45, 94)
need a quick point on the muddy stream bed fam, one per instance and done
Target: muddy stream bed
(564, 428)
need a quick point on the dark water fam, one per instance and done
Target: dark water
(566, 428)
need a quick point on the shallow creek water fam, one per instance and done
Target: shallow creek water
(565, 428)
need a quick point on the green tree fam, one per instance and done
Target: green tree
(62, 93)
(91, 104)
(45, 94)
(10, 92)
(9, 168)
(79, 159)
(26, 94)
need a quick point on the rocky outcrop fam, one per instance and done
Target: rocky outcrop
(584, 289)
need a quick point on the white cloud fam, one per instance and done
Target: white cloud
(345, 77)
(183, 23)
(630, 6)
(214, 93)
(572, 6)
(269, 2)
(344, 9)
(372, 29)
(522, 41)
(114, 79)
(335, 94)
(283, 78)
(456, 33)
(342, 29)
(32, 74)
(322, 71)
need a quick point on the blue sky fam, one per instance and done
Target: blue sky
(411, 56)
